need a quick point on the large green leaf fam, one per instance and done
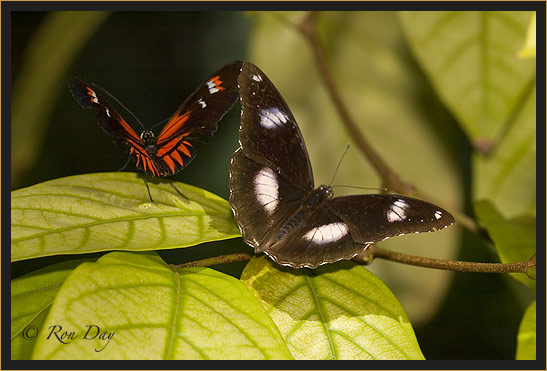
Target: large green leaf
(338, 311)
(31, 299)
(41, 77)
(394, 109)
(515, 239)
(526, 342)
(133, 306)
(471, 60)
(507, 177)
(112, 211)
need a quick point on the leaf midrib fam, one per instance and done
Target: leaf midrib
(97, 223)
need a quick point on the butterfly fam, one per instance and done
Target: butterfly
(171, 150)
(275, 204)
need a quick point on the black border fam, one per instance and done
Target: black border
(8, 7)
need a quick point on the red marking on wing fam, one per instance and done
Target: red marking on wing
(173, 127)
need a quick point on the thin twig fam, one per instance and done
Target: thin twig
(390, 178)
(221, 259)
(374, 251)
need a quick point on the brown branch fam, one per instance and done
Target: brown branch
(221, 259)
(374, 251)
(390, 178)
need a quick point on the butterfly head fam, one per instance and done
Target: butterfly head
(318, 196)
(149, 141)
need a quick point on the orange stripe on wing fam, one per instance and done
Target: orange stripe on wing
(149, 166)
(184, 148)
(218, 82)
(168, 147)
(177, 158)
(173, 126)
(169, 161)
(129, 130)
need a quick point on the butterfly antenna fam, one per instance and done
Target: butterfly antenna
(159, 123)
(383, 189)
(120, 103)
(339, 162)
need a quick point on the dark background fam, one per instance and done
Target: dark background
(151, 61)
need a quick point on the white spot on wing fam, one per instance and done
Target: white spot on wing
(397, 211)
(272, 117)
(202, 103)
(438, 214)
(327, 233)
(95, 99)
(212, 87)
(257, 78)
(267, 189)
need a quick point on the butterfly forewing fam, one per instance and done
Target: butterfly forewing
(373, 218)
(200, 113)
(111, 122)
(269, 134)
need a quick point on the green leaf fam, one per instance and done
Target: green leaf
(515, 239)
(394, 108)
(135, 307)
(526, 341)
(31, 299)
(529, 48)
(338, 311)
(471, 60)
(41, 78)
(507, 177)
(112, 211)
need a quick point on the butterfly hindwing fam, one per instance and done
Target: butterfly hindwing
(318, 238)
(261, 199)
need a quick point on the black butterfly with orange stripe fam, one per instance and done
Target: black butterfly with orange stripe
(171, 150)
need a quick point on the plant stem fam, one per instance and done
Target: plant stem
(221, 259)
(390, 178)
(374, 251)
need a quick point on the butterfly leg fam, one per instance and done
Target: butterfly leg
(126, 163)
(178, 191)
(147, 187)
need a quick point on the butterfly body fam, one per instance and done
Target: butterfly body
(171, 150)
(276, 206)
